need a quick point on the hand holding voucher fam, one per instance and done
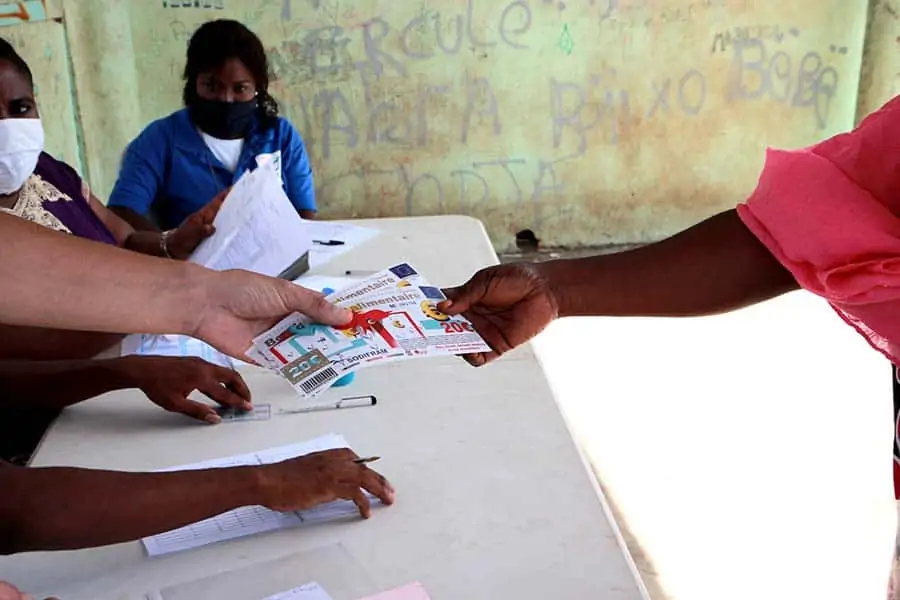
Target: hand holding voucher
(394, 316)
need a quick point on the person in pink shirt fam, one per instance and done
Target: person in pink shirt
(824, 218)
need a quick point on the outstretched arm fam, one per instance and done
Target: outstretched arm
(58, 281)
(108, 507)
(715, 266)
(167, 381)
(38, 343)
(57, 384)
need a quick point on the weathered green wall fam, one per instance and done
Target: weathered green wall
(589, 121)
(43, 44)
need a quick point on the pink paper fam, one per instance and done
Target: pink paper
(413, 591)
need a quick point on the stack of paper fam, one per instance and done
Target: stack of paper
(250, 520)
(257, 228)
(395, 318)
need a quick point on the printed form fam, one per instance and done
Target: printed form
(250, 520)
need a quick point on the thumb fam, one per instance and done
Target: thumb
(313, 305)
(196, 410)
(211, 210)
(463, 297)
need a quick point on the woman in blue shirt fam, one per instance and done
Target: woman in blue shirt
(229, 125)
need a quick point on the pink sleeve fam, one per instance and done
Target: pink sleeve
(829, 214)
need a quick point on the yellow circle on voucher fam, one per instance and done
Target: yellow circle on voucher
(431, 311)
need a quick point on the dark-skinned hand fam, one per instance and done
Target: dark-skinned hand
(183, 241)
(168, 381)
(507, 304)
(321, 477)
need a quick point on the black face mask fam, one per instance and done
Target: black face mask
(223, 120)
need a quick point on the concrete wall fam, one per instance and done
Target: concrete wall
(589, 121)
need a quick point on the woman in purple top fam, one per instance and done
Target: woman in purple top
(37, 187)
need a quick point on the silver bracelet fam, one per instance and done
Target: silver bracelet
(164, 242)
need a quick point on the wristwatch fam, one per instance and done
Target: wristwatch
(164, 242)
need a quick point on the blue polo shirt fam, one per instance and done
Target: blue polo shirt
(168, 172)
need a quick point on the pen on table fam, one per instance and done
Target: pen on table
(328, 242)
(351, 402)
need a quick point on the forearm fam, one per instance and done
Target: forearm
(713, 267)
(66, 508)
(57, 384)
(138, 221)
(37, 343)
(145, 242)
(54, 280)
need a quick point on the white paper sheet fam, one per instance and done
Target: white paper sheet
(250, 520)
(322, 282)
(309, 591)
(352, 236)
(145, 344)
(257, 228)
(180, 346)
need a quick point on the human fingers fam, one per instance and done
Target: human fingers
(210, 211)
(462, 298)
(220, 197)
(233, 381)
(223, 396)
(498, 335)
(10, 592)
(361, 501)
(476, 359)
(192, 408)
(314, 305)
(376, 484)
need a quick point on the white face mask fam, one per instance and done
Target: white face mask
(21, 143)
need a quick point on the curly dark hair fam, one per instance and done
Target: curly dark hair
(215, 42)
(8, 53)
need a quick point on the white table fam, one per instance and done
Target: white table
(494, 500)
(749, 453)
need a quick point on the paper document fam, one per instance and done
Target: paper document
(413, 591)
(250, 520)
(323, 282)
(395, 318)
(330, 239)
(257, 227)
(181, 346)
(309, 591)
